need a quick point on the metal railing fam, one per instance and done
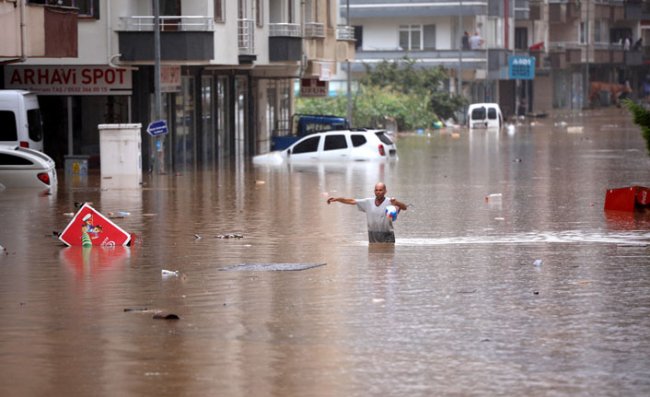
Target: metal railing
(344, 32)
(284, 30)
(246, 36)
(174, 23)
(314, 29)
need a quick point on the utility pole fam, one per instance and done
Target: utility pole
(158, 141)
(349, 72)
(460, 53)
(585, 98)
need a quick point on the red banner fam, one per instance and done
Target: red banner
(89, 227)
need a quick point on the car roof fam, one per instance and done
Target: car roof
(486, 104)
(31, 154)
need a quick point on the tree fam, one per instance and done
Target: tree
(413, 95)
(641, 117)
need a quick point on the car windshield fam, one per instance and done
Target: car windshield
(383, 138)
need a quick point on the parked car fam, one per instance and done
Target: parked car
(22, 167)
(332, 146)
(484, 115)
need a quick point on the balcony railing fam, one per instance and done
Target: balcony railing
(167, 23)
(314, 29)
(284, 30)
(344, 32)
(246, 36)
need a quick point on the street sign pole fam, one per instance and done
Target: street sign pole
(157, 141)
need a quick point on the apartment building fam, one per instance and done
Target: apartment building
(580, 42)
(431, 32)
(227, 71)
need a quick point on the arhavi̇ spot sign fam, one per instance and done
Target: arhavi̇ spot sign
(88, 227)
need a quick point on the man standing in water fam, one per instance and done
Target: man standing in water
(380, 226)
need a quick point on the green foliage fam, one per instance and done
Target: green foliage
(641, 117)
(412, 95)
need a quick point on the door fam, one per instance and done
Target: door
(335, 148)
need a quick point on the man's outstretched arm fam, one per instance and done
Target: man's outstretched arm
(343, 200)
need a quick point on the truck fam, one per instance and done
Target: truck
(307, 124)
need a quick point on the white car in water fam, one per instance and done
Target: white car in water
(335, 146)
(21, 168)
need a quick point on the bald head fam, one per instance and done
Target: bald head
(380, 190)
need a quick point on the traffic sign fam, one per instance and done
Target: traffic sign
(88, 227)
(158, 127)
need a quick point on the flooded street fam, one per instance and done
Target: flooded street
(538, 292)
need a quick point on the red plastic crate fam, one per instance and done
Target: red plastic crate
(627, 198)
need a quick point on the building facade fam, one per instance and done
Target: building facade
(227, 71)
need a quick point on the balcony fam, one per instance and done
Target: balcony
(565, 54)
(285, 42)
(51, 31)
(471, 59)
(416, 8)
(522, 9)
(563, 11)
(345, 33)
(314, 30)
(182, 38)
(246, 40)
(636, 10)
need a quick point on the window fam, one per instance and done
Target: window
(7, 159)
(358, 37)
(87, 8)
(478, 113)
(219, 11)
(35, 125)
(307, 146)
(583, 33)
(358, 140)
(429, 37)
(521, 38)
(597, 38)
(410, 37)
(335, 142)
(492, 114)
(382, 137)
(8, 131)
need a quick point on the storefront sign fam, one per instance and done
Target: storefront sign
(521, 67)
(313, 88)
(170, 78)
(69, 80)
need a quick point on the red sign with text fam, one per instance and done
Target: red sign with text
(89, 228)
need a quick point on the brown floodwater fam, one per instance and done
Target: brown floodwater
(540, 292)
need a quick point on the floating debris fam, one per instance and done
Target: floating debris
(165, 316)
(230, 235)
(196, 236)
(265, 267)
(169, 273)
(136, 309)
(538, 262)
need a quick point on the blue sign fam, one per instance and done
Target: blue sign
(158, 127)
(521, 67)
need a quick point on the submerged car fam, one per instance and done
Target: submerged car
(485, 115)
(22, 167)
(332, 146)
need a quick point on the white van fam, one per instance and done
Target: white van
(20, 120)
(484, 115)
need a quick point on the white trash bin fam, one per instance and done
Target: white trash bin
(120, 150)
